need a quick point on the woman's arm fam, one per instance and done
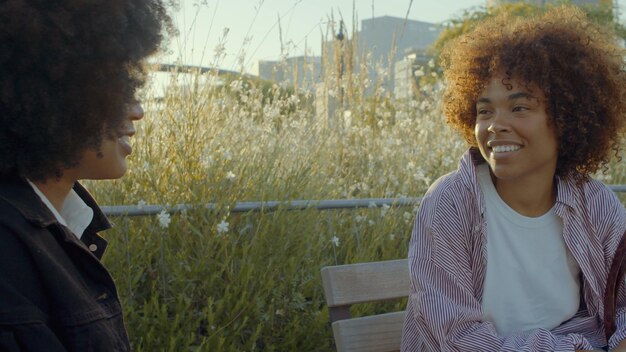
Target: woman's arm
(611, 226)
(621, 347)
(24, 326)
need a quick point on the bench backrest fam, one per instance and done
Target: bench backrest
(345, 285)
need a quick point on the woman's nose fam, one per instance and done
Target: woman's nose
(135, 111)
(498, 124)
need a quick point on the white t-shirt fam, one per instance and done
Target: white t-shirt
(532, 280)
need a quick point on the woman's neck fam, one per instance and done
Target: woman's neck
(56, 190)
(530, 198)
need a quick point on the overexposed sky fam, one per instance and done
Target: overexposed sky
(253, 26)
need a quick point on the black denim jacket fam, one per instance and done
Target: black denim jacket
(55, 294)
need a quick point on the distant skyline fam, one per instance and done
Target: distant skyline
(202, 24)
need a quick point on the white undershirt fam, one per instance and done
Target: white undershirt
(532, 280)
(75, 214)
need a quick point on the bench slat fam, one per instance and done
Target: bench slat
(365, 282)
(379, 333)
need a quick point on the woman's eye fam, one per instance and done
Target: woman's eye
(520, 108)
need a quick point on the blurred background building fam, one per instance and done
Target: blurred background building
(300, 72)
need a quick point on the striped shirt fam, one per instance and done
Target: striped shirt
(447, 263)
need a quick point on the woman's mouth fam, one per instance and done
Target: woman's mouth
(124, 142)
(505, 148)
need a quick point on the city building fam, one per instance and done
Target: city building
(407, 71)
(388, 39)
(300, 72)
(383, 42)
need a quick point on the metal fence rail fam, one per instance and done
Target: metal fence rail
(244, 207)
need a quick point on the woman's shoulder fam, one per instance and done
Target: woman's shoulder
(450, 187)
(20, 208)
(597, 195)
(450, 200)
(597, 204)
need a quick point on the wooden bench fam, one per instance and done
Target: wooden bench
(345, 285)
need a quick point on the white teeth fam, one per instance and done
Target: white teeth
(505, 148)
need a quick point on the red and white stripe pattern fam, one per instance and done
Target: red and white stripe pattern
(448, 256)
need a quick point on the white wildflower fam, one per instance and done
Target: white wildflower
(222, 227)
(418, 73)
(236, 85)
(207, 161)
(419, 175)
(431, 63)
(230, 176)
(384, 209)
(335, 241)
(164, 219)
(141, 204)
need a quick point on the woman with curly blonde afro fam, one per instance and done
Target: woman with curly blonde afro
(511, 252)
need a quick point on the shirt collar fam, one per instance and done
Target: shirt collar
(566, 191)
(74, 214)
(467, 169)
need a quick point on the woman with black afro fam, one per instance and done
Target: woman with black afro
(69, 70)
(512, 251)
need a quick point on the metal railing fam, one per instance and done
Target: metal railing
(244, 207)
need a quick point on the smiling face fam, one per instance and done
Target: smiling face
(109, 162)
(513, 131)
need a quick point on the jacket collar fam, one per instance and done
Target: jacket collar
(18, 193)
(467, 170)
